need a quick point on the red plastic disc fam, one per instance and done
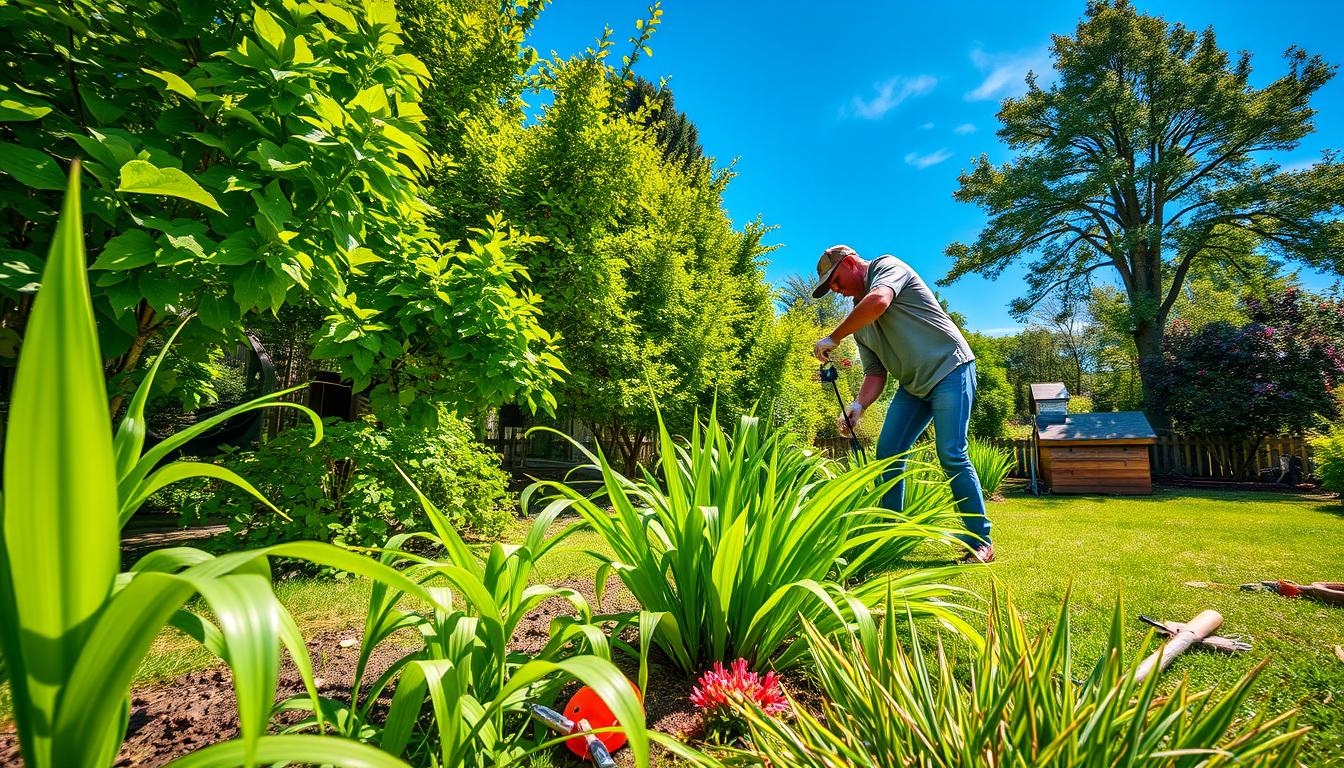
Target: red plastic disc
(587, 705)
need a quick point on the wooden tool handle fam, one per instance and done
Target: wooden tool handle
(1203, 625)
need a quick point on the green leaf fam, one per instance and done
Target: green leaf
(128, 250)
(129, 440)
(317, 750)
(372, 100)
(32, 168)
(174, 83)
(20, 270)
(144, 177)
(268, 29)
(18, 107)
(216, 312)
(338, 15)
(60, 530)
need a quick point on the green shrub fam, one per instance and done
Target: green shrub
(346, 490)
(992, 465)
(1329, 448)
(1015, 701)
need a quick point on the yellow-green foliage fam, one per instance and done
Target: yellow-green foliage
(1329, 459)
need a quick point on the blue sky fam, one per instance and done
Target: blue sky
(851, 122)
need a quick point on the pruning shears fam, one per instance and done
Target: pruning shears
(597, 751)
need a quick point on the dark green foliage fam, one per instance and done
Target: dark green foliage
(346, 489)
(655, 107)
(1273, 375)
(1144, 157)
(993, 404)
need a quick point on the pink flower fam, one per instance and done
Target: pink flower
(720, 687)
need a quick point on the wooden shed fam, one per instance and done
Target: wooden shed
(1091, 452)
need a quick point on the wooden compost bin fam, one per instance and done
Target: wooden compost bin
(1089, 452)
(1095, 452)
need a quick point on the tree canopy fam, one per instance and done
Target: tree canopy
(1146, 158)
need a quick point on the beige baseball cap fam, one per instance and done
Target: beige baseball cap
(830, 259)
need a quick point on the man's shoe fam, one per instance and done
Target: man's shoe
(981, 554)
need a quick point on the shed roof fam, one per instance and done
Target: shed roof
(1124, 425)
(1051, 391)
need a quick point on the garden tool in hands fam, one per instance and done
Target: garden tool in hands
(831, 374)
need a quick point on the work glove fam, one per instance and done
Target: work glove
(854, 412)
(822, 349)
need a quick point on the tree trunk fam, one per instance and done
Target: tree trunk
(1148, 340)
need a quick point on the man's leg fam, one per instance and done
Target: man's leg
(907, 418)
(951, 400)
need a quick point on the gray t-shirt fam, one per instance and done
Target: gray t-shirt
(914, 340)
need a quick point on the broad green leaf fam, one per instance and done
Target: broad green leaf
(268, 29)
(30, 167)
(174, 83)
(20, 271)
(338, 15)
(60, 529)
(144, 177)
(130, 249)
(17, 106)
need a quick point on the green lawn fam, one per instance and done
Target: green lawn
(1140, 548)
(1144, 549)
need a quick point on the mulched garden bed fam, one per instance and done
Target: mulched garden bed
(182, 715)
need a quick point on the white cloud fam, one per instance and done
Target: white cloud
(1007, 72)
(891, 93)
(1002, 331)
(964, 128)
(926, 127)
(924, 161)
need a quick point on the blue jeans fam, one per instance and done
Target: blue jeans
(948, 406)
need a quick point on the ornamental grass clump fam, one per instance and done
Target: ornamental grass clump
(891, 701)
(736, 538)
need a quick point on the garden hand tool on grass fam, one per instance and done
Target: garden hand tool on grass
(1329, 592)
(1195, 632)
(1173, 628)
(592, 748)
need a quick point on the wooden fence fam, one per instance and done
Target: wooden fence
(1172, 456)
(1183, 456)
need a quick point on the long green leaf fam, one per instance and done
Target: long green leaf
(130, 438)
(60, 517)
(316, 750)
(182, 470)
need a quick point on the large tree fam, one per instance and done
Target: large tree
(1147, 157)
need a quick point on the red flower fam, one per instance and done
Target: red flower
(720, 687)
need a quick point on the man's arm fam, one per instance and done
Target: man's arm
(866, 311)
(872, 386)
